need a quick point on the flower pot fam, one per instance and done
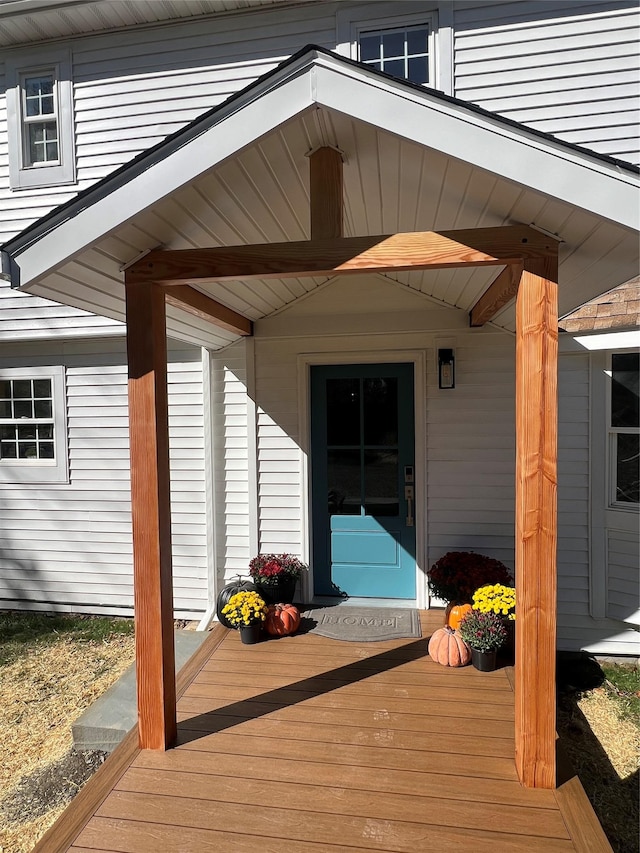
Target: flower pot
(250, 634)
(280, 592)
(484, 661)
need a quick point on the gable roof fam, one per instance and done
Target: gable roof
(402, 143)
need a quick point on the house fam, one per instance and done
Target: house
(129, 131)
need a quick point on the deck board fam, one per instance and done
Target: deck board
(327, 746)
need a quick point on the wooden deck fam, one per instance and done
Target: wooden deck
(310, 744)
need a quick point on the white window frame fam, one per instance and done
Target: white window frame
(613, 433)
(23, 174)
(34, 471)
(353, 21)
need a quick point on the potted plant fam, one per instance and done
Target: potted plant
(500, 599)
(275, 576)
(456, 576)
(246, 611)
(484, 633)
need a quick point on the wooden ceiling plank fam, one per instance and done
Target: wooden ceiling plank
(500, 292)
(194, 302)
(386, 253)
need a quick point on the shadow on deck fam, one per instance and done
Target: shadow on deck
(327, 746)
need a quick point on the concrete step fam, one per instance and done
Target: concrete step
(105, 723)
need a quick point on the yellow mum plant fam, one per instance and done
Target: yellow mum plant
(496, 598)
(245, 608)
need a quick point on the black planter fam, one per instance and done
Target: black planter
(484, 661)
(277, 593)
(250, 634)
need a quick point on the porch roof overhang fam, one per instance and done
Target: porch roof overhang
(415, 161)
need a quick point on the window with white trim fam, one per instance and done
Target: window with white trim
(401, 51)
(40, 119)
(395, 38)
(33, 440)
(624, 429)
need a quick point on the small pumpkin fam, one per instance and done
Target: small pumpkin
(282, 619)
(225, 594)
(454, 614)
(448, 648)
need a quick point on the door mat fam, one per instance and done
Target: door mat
(363, 624)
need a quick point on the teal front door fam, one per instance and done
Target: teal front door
(362, 480)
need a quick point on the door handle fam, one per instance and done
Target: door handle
(409, 496)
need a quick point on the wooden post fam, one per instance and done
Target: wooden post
(536, 521)
(325, 193)
(150, 505)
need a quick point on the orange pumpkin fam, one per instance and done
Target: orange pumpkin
(282, 619)
(454, 614)
(448, 648)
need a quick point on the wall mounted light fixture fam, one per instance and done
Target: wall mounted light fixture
(446, 369)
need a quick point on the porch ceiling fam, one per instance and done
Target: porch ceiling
(392, 182)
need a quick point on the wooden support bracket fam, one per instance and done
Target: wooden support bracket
(499, 293)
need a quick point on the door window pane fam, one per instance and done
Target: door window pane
(381, 411)
(343, 412)
(345, 482)
(381, 483)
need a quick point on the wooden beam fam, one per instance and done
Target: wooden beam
(536, 522)
(150, 506)
(499, 293)
(386, 253)
(201, 305)
(325, 193)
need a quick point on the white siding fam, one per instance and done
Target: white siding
(566, 68)
(579, 566)
(232, 450)
(133, 89)
(471, 450)
(623, 576)
(68, 547)
(26, 317)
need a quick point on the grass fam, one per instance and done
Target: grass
(51, 669)
(622, 683)
(23, 633)
(600, 729)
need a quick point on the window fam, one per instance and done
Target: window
(625, 429)
(40, 118)
(33, 445)
(400, 52)
(395, 38)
